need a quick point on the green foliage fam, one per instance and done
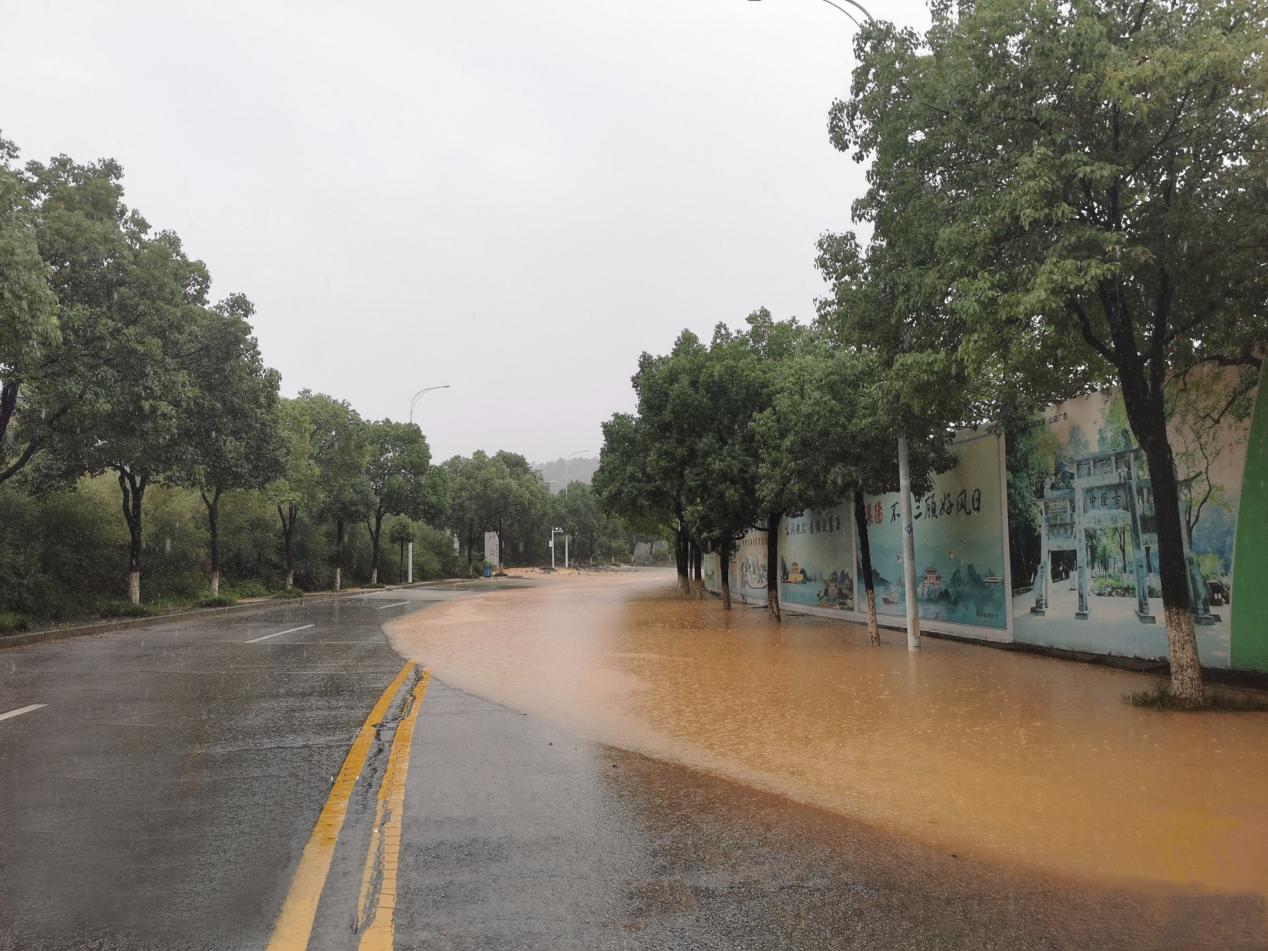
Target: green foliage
(1064, 196)
(249, 588)
(219, 601)
(13, 623)
(118, 382)
(501, 493)
(28, 316)
(111, 610)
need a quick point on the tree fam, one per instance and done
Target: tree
(397, 472)
(832, 434)
(772, 345)
(1069, 195)
(723, 483)
(128, 299)
(298, 481)
(340, 445)
(647, 460)
(401, 532)
(231, 440)
(28, 314)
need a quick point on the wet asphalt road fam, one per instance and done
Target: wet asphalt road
(162, 798)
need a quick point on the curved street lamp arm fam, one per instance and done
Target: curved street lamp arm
(852, 17)
(414, 398)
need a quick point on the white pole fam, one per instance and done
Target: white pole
(909, 547)
(552, 549)
(409, 570)
(565, 547)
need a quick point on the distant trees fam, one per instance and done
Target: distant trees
(399, 461)
(229, 430)
(112, 360)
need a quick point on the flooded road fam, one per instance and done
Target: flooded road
(1024, 759)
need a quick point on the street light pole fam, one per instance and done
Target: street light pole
(425, 389)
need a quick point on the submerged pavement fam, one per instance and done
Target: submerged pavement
(286, 780)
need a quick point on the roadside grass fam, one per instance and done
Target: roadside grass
(110, 610)
(1160, 697)
(13, 623)
(217, 601)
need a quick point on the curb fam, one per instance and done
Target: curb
(246, 607)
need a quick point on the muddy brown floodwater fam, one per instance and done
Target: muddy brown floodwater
(1015, 757)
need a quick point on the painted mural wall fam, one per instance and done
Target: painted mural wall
(961, 559)
(1047, 536)
(1082, 525)
(816, 562)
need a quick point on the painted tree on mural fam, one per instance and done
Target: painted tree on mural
(1069, 195)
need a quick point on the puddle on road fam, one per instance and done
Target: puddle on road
(1005, 755)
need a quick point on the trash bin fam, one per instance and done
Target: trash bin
(488, 572)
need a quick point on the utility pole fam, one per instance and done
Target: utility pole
(909, 546)
(409, 565)
(553, 533)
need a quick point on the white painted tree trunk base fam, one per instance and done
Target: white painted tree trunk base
(873, 628)
(338, 579)
(215, 584)
(1186, 669)
(134, 587)
(290, 580)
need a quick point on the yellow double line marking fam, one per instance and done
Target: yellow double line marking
(295, 922)
(385, 838)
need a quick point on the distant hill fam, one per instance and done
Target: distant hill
(563, 471)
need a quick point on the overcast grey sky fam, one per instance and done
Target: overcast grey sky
(509, 196)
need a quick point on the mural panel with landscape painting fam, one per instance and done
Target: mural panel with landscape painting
(1082, 535)
(960, 561)
(816, 559)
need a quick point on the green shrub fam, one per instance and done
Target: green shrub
(289, 593)
(249, 588)
(13, 623)
(125, 609)
(217, 601)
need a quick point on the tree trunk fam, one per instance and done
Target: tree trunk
(865, 559)
(288, 517)
(772, 557)
(1146, 413)
(682, 554)
(338, 553)
(213, 535)
(376, 529)
(400, 570)
(724, 561)
(470, 542)
(132, 489)
(697, 568)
